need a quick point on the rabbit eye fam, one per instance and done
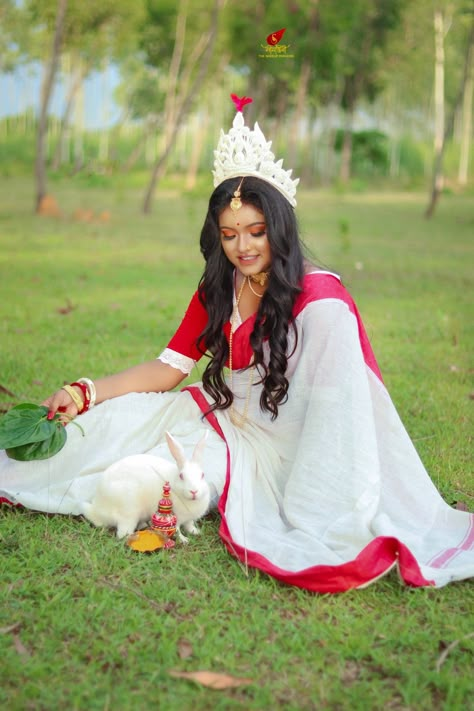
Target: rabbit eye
(202, 475)
(181, 476)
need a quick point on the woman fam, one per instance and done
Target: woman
(317, 482)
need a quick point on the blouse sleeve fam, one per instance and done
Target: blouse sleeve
(182, 351)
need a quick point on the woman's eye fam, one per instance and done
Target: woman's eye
(227, 236)
(262, 233)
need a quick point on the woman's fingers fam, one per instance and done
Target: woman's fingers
(61, 402)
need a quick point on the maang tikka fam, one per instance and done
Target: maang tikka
(236, 202)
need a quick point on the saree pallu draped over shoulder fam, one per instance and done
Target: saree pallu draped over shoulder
(329, 496)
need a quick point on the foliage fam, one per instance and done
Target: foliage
(142, 91)
(12, 35)
(369, 152)
(93, 30)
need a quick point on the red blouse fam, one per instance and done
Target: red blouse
(316, 286)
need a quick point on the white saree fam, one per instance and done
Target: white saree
(329, 496)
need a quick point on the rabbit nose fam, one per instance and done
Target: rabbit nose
(194, 493)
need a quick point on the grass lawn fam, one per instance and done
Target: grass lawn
(87, 624)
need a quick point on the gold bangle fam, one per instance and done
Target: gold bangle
(75, 397)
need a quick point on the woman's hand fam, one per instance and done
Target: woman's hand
(62, 402)
(152, 376)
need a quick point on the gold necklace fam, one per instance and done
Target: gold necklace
(260, 278)
(238, 418)
(260, 296)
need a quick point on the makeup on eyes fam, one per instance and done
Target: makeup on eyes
(256, 229)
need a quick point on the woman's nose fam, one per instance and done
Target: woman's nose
(244, 243)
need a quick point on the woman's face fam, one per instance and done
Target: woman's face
(244, 239)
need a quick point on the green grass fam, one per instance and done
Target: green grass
(87, 624)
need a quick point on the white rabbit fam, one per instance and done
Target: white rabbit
(128, 491)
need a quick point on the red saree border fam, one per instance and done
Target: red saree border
(329, 286)
(4, 500)
(372, 562)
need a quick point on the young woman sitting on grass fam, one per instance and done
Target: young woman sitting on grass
(316, 480)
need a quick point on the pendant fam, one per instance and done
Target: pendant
(235, 203)
(260, 278)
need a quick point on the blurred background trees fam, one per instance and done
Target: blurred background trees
(371, 90)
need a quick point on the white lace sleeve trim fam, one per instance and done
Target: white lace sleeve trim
(177, 360)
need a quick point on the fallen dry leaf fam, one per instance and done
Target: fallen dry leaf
(442, 657)
(212, 680)
(185, 649)
(64, 310)
(5, 390)
(20, 647)
(11, 628)
(461, 506)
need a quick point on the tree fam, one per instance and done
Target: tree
(466, 122)
(46, 91)
(367, 28)
(186, 74)
(92, 34)
(437, 180)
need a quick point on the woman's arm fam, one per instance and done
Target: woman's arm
(152, 376)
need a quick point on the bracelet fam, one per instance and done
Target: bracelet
(86, 395)
(74, 397)
(91, 388)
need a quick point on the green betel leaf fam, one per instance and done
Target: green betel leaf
(40, 450)
(24, 424)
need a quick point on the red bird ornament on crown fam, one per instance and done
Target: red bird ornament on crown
(240, 103)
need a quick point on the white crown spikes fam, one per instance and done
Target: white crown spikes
(243, 152)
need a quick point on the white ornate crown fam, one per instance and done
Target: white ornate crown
(244, 152)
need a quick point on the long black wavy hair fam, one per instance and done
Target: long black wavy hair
(274, 315)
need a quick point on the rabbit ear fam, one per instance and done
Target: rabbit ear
(198, 449)
(176, 450)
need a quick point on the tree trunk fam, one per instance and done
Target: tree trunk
(103, 156)
(346, 152)
(79, 131)
(198, 144)
(328, 169)
(438, 180)
(46, 92)
(301, 94)
(438, 162)
(138, 149)
(185, 105)
(175, 66)
(303, 85)
(466, 119)
(64, 125)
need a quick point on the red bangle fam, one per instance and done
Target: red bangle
(85, 391)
